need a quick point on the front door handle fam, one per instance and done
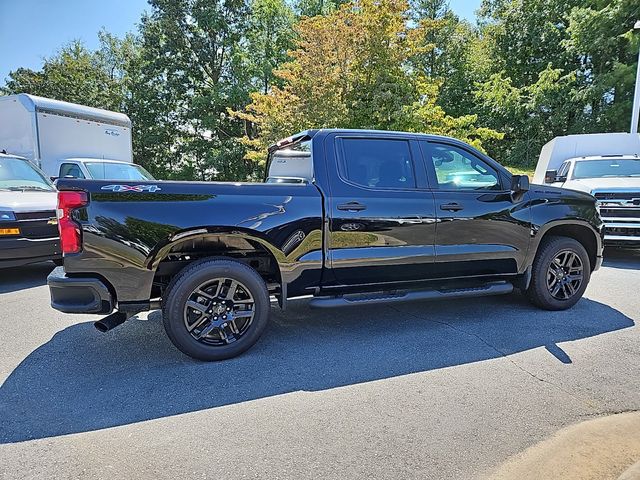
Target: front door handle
(452, 207)
(352, 207)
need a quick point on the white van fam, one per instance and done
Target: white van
(68, 140)
(28, 222)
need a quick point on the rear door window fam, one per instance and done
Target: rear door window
(377, 163)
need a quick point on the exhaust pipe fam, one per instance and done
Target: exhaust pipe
(110, 322)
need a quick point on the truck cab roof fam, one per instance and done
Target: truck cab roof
(355, 131)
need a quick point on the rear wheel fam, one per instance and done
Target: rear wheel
(560, 274)
(216, 309)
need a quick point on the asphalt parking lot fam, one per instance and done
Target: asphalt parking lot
(423, 390)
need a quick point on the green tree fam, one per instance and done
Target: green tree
(450, 52)
(525, 36)
(269, 37)
(188, 77)
(529, 84)
(602, 40)
(352, 68)
(311, 8)
(557, 67)
(76, 74)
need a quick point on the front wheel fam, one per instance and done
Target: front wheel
(560, 274)
(216, 309)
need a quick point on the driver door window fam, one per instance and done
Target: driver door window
(456, 169)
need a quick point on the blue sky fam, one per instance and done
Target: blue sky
(33, 29)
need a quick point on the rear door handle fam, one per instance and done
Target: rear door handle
(452, 207)
(352, 207)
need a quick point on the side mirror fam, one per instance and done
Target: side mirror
(519, 183)
(550, 176)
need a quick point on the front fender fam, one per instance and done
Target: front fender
(567, 227)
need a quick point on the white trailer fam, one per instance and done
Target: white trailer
(68, 140)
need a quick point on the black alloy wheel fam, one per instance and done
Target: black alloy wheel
(219, 311)
(560, 273)
(215, 309)
(564, 275)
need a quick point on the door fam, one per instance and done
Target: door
(482, 229)
(381, 213)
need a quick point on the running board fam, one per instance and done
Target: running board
(493, 288)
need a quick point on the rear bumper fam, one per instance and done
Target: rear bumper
(79, 294)
(22, 251)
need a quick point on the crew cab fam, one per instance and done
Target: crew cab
(349, 217)
(615, 182)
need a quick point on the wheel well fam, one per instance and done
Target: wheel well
(582, 234)
(245, 250)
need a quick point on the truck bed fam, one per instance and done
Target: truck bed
(126, 228)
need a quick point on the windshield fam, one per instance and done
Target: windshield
(117, 171)
(19, 175)
(607, 168)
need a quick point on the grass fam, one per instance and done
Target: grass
(521, 171)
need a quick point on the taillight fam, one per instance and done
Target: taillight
(70, 237)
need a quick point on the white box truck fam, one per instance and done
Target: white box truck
(68, 140)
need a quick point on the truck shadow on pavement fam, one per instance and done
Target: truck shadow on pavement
(24, 277)
(83, 381)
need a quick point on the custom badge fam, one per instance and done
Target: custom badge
(132, 188)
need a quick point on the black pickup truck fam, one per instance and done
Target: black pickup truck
(349, 217)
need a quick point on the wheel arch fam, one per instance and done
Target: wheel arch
(248, 246)
(582, 232)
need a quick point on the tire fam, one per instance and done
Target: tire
(201, 284)
(547, 278)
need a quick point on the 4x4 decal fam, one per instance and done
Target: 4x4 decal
(132, 188)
